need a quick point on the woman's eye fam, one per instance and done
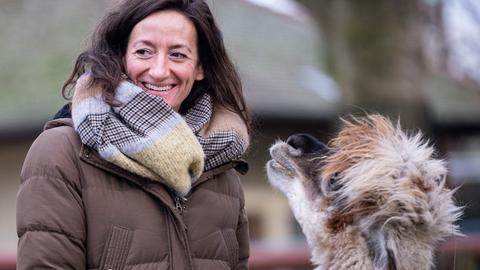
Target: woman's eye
(178, 55)
(142, 53)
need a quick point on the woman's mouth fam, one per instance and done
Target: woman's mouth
(158, 88)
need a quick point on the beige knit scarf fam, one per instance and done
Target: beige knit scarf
(147, 137)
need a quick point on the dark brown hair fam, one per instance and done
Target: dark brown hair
(103, 57)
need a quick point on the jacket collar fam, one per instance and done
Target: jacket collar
(91, 156)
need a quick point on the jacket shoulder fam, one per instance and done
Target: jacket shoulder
(49, 203)
(225, 182)
(54, 153)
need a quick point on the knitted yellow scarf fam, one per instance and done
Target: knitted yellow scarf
(147, 137)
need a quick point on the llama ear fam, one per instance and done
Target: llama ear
(391, 261)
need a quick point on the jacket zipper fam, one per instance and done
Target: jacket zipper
(180, 203)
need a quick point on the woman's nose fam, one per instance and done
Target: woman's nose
(159, 68)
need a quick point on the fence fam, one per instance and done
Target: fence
(299, 257)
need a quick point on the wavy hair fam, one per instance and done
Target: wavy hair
(108, 45)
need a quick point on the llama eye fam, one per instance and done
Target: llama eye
(333, 182)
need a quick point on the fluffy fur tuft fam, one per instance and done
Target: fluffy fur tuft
(375, 198)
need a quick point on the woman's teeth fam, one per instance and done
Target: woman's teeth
(158, 88)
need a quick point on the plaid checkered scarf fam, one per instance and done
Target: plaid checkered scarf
(147, 137)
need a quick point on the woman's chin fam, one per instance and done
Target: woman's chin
(164, 96)
(155, 93)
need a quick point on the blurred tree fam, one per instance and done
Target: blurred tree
(374, 49)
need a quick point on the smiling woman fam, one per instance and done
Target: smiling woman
(142, 166)
(162, 56)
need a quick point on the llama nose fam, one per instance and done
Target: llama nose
(307, 144)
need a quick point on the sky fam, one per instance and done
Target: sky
(287, 7)
(462, 29)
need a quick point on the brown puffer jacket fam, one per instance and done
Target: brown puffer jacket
(77, 211)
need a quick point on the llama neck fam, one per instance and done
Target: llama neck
(343, 250)
(402, 245)
(398, 249)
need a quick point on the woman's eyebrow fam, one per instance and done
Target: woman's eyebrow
(144, 42)
(150, 44)
(181, 46)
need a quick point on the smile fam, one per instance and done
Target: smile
(158, 88)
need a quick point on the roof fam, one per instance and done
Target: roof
(450, 103)
(279, 61)
(39, 42)
(276, 54)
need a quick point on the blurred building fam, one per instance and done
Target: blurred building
(278, 53)
(39, 40)
(285, 88)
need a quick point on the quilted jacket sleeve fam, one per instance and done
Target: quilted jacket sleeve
(50, 217)
(243, 237)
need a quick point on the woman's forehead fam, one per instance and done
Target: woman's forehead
(165, 25)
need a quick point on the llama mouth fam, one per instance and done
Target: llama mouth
(279, 169)
(276, 165)
(280, 161)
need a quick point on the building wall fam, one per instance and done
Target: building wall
(43, 38)
(272, 222)
(12, 153)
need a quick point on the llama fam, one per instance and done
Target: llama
(374, 198)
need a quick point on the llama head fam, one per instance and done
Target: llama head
(372, 177)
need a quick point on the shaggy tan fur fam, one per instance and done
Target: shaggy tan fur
(375, 198)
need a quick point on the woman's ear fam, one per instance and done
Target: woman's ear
(200, 75)
(124, 62)
(124, 68)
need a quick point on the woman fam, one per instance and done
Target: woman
(142, 176)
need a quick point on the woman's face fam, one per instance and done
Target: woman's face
(162, 56)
